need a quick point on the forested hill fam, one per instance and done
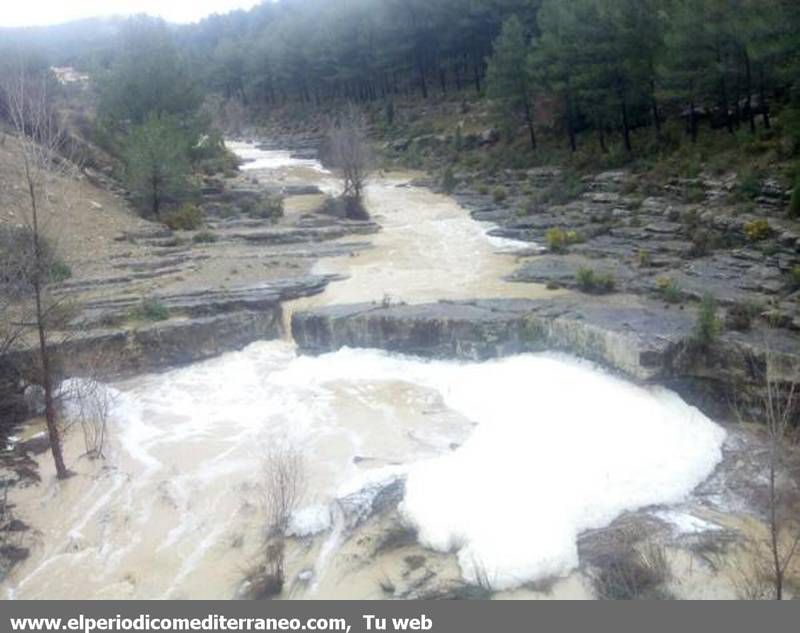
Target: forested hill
(573, 72)
(362, 49)
(602, 56)
(607, 65)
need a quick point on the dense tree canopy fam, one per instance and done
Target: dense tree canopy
(611, 66)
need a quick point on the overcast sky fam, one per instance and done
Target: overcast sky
(39, 12)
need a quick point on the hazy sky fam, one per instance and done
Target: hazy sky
(38, 12)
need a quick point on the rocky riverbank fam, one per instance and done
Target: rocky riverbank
(632, 335)
(161, 298)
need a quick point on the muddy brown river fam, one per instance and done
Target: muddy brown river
(175, 509)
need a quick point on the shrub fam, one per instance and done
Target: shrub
(590, 281)
(749, 185)
(562, 190)
(204, 237)
(150, 310)
(669, 290)
(757, 230)
(482, 189)
(499, 194)
(187, 217)
(707, 326)
(60, 271)
(702, 243)
(449, 181)
(628, 572)
(794, 278)
(268, 207)
(644, 258)
(558, 239)
(345, 207)
(740, 316)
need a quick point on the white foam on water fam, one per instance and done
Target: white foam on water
(686, 523)
(509, 245)
(255, 158)
(560, 447)
(310, 520)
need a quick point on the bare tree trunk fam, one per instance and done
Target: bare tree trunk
(529, 122)
(626, 130)
(42, 143)
(749, 87)
(763, 99)
(47, 384)
(774, 527)
(693, 122)
(41, 327)
(654, 109)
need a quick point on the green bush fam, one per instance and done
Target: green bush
(499, 194)
(794, 278)
(707, 326)
(590, 281)
(60, 271)
(268, 207)
(482, 189)
(187, 217)
(757, 230)
(558, 239)
(150, 310)
(562, 190)
(644, 258)
(204, 237)
(749, 185)
(669, 290)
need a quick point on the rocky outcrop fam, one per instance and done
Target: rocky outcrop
(159, 346)
(633, 336)
(200, 324)
(634, 339)
(207, 301)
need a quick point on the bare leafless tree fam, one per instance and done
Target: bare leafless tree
(350, 151)
(283, 487)
(780, 409)
(779, 406)
(90, 402)
(43, 143)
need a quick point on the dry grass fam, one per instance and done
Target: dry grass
(88, 221)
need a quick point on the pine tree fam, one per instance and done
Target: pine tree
(688, 57)
(508, 78)
(156, 163)
(553, 60)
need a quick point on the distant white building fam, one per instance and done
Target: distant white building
(67, 75)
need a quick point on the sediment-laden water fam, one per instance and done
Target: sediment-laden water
(506, 461)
